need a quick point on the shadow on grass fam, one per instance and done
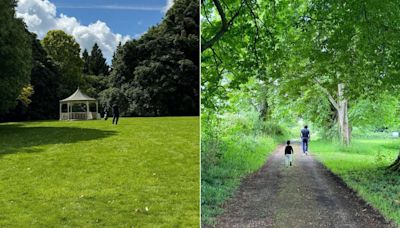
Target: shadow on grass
(15, 138)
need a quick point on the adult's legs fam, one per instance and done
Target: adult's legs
(113, 119)
(303, 144)
(117, 118)
(306, 143)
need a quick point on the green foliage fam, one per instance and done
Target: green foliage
(46, 80)
(93, 85)
(289, 45)
(379, 112)
(95, 62)
(95, 174)
(362, 166)
(95, 74)
(112, 96)
(333, 44)
(25, 94)
(85, 59)
(271, 128)
(15, 56)
(65, 52)
(158, 73)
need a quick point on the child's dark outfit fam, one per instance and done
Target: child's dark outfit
(288, 155)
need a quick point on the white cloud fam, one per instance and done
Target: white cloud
(40, 17)
(114, 7)
(169, 4)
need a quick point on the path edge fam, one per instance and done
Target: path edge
(355, 193)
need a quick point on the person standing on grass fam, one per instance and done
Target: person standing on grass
(288, 154)
(105, 113)
(305, 138)
(115, 110)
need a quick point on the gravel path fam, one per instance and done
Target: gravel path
(304, 195)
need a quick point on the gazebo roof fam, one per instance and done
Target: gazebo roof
(78, 96)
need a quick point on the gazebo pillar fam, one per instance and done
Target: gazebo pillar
(60, 110)
(87, 110)
(68, 111)
(97, 109)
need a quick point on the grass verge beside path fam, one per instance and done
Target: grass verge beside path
(361, 166)
(144, 172)
(225, 163)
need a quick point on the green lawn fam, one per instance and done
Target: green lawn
(142, 173)
(362, 167)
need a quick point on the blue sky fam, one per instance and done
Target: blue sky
(127, 17)
(105, 22)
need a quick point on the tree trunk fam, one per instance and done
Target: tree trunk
(395, 167)
(263, 112)
(344, 128)
(341, 106)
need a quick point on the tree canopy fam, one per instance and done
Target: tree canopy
(301, 52)
(15, 55)
(95, 63)
(157, 74)
(65, 52)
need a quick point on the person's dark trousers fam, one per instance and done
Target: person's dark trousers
(115, 119)
(305, 145)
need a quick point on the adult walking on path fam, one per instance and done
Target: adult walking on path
(306, 195)
(115, 109)
(305, 138)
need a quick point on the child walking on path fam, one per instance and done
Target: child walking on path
(288, 154)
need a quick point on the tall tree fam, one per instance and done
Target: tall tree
(158, 73)
(15, 55)
(95, 70)
(340, 58)
(46, 79)
(97, 63)
(65, 52)
(85, 58)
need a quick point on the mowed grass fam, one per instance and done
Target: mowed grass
(143, 172)
(362, 166)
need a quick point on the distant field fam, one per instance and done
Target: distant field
(362, 167)
(143, 172)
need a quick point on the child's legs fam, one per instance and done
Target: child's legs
(287, 159)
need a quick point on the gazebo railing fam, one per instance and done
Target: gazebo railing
(78, 116)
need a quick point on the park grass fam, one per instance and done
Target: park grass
(225, 162)
(143, 172)
(362, 167)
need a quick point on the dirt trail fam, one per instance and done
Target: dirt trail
(304, 195)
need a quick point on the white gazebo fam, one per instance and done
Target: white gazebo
(77, 107)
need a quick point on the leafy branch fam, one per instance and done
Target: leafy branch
(224, 27)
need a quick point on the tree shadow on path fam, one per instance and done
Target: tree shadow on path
(16, 138)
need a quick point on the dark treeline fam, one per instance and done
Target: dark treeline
(158, 74)
(155, 75)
